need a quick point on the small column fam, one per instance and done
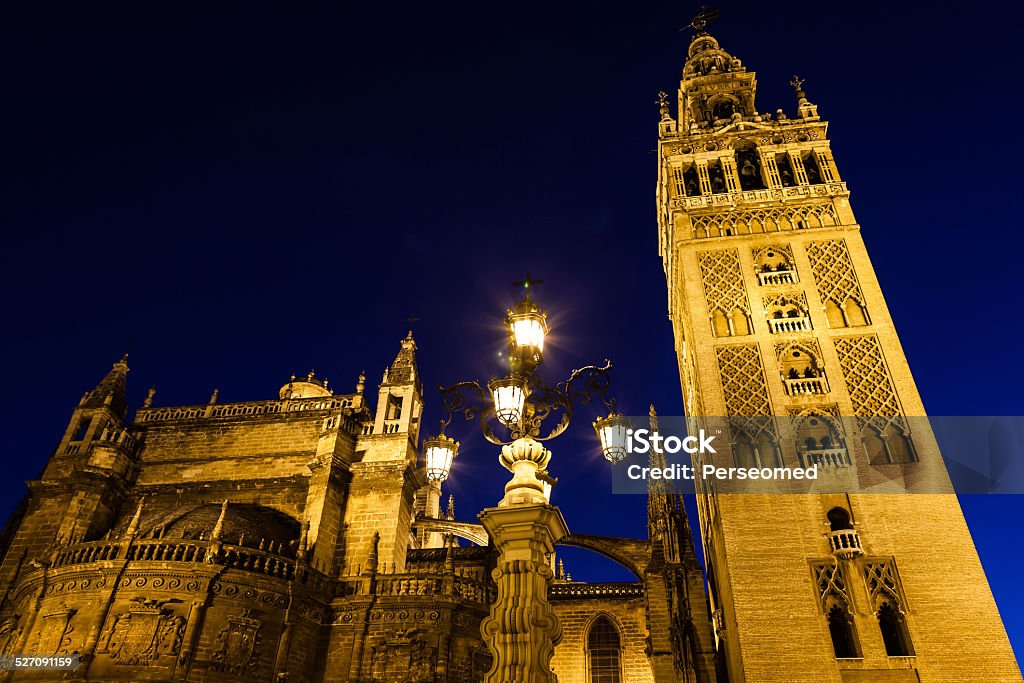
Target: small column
(678, 181)
(703, 178)
(797, 162)
(732, 179)
(432, 509)
(829, 174)
(771, 169)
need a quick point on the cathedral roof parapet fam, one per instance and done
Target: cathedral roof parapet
(569, 591)
(343, 403)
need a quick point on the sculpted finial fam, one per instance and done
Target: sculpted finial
(663, 104)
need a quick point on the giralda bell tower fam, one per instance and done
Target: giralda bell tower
(777, 314)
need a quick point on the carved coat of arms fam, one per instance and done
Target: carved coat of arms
(142, 634)
(238, 645)
(55, 634)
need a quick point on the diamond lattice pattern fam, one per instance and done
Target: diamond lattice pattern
(867, 379)
(833, 271)
(723, 281)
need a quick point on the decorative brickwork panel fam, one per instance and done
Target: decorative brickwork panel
(743, 383)
(723, 281)
(765, 220)
(833, 272)
(832, 589)
(883, 583)
(745, 389)
(867, 381)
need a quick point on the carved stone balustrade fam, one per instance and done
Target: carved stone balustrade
(777, 277)
(845, 543)
(568, 591)
(783, 325)
(806, 386)
(826, 457)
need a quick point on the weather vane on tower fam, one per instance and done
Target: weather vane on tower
(700, 22)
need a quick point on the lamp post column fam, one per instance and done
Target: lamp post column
(522, 629)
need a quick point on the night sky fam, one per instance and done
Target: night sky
(239, 192)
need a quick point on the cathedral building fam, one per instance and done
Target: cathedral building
(781, 330)
(298, 538)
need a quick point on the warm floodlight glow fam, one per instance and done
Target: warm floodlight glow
(611, 431)
(509, 399)
(439, 452)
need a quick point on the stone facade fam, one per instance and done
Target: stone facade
(298, 539)
(777, 312)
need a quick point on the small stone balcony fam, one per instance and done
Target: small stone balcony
(806, 386)
(826, 457)
(783, 325)
(845, 543)
(777, 277)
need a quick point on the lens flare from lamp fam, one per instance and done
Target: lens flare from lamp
(611, 431)
(439, 452)
(509, 399)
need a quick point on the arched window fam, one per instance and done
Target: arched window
(723, 109)
(894, 631)
(840, 627)
(748, 164)
(839, 519)
(899, 447)
(603, 651)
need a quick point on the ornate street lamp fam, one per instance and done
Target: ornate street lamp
(529, 410)
(438, 454)
(611, 431)
(522, 628)
(527, 325)
(509, 396)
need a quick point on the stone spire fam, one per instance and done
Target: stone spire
(218, 528)
(404, 370)
(133, 525)
(111, 390)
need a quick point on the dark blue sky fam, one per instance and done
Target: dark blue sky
(243, 191)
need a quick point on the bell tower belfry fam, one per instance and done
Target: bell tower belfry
(777, 313)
